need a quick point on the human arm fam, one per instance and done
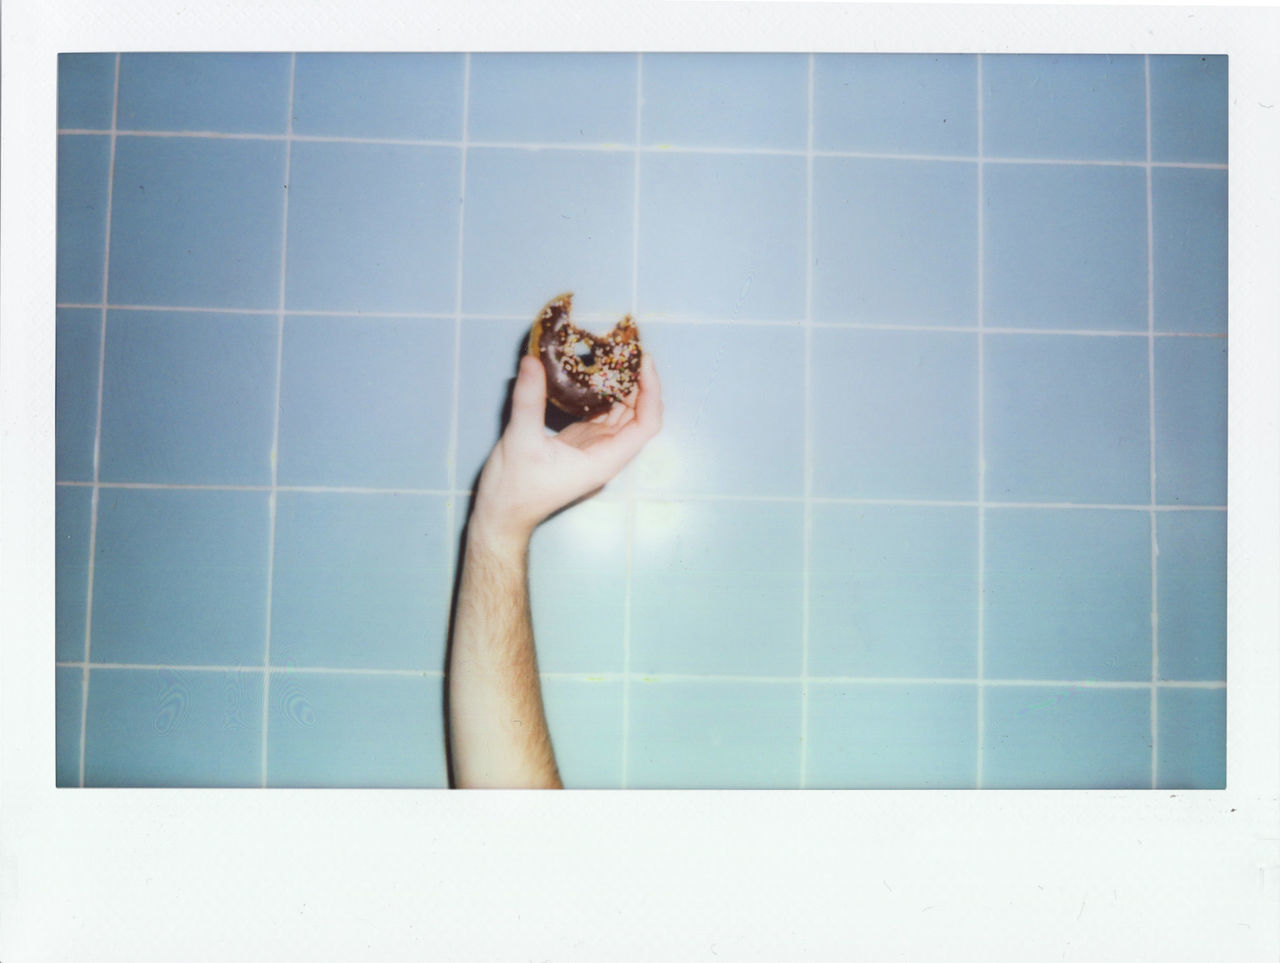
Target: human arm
(497, 728)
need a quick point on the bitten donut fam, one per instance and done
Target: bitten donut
(586, 373)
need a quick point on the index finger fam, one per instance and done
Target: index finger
(528, 399)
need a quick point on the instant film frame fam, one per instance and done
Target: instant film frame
(1023, 822)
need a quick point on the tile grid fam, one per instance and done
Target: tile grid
(1151, 434)
(807, 501)
(630, 494)
(980, 670)
(807, 522)
(273, 498)
(97, 431)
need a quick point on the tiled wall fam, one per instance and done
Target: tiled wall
(940, 499)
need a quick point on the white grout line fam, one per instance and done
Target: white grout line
(982, 440)
(97, 431)
(807, 531)
(635, 189)
(268, 670)
(630, 494)
(275, 429)
(664, 496)
(322, 489)
(1024, 683)
(1039, 161)
(571, 146)
(158, 307)
(273, 312)
(454, 501)
(1151, 428)
(662, 677)
(452, 505)
(650, 320)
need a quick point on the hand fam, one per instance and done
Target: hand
(530, 474)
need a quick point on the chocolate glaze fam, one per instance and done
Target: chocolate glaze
(586, 373)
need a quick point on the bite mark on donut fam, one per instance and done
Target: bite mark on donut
(586, 373)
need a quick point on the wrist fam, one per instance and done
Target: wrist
(489, 531)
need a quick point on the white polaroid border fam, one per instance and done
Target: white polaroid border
(795, 875)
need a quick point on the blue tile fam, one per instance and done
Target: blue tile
(373, 227)
(721, 433)
(83, 165)
(1067, 419)
(896, 103)
(577, 586)
(714, 735)
(1192, 751)
(188, 397)
(1189, 109)
(167, 727)
(235, 93)
(553, 98)
(893, 591)
(1191, 592)
(180, 577)
(895, 414)
(895, 241)
(72, 523)
(725, 100)
(542, 222)
(722, 236)
(1065, 246)
(67, 708)
(1069, 107)
(1068, 595)
(489, 356)
(889, 736)
(197, 222)
(366, 402)
(1191, 421)
(86, 91)
(1189, 226)
(367, 731)
(394, 95)
(716, 588)
(360, 581)
(79, 345)
(585, 720)
(1059, 737)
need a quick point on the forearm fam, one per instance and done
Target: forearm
(497, 727)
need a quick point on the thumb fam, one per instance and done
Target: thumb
(528, 399)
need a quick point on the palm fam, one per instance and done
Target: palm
(584, 435)
(579, 458)
(530, 474)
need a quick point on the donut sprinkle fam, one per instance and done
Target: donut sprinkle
(586, 373)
